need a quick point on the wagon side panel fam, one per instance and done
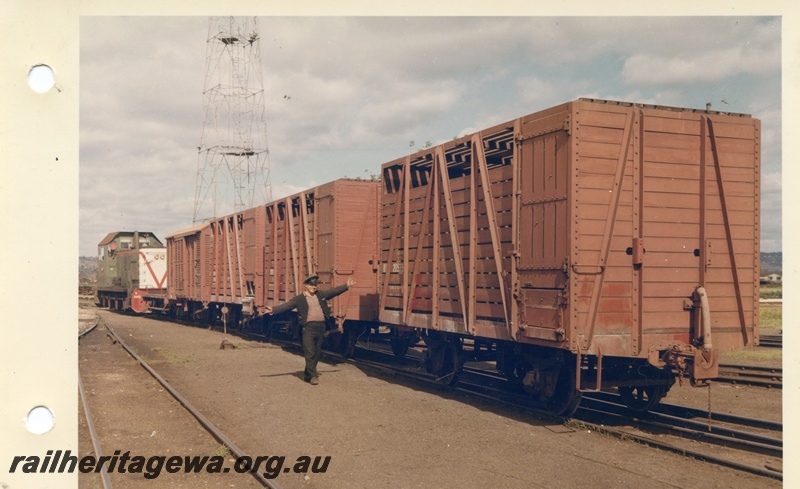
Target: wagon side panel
(447, 236)
(289, 245)
(228, 262)
(188, 262)
(354, 234)
(176, 249)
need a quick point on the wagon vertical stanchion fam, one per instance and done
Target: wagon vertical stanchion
(578, 240)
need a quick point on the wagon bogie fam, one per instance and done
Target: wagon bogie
(443, 357)
(548, 375)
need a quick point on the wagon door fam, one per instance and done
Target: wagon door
(543, 226)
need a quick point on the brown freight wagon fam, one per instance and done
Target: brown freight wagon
(259, 257)
(593, 244)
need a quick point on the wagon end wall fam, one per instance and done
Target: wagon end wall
(664, 201)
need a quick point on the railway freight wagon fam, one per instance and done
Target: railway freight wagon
(131, 271)
(235, 266)
(595, 244)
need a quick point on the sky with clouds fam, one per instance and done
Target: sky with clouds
(344, 95)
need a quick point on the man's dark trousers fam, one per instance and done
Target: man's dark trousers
(313, 335)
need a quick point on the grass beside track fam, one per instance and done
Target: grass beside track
(771, 291)
(770, 322)
(771, 318)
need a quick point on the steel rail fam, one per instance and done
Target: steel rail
(752, 369)
(205, 422)
(751, 375)
(695, 430)
(662, 417)
(669, 416)
(771, 340)
(663, 445)
(88, 330)
(689, 412)
(768, 444)
(747, 442)
(89, 422)
(661, 408)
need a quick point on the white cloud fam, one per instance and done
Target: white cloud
(538, 92)
(703, 67)
(344, 95)
(771, 215)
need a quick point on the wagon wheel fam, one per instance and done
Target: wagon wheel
(399, 346)
(267, 328)
(345, 342)
(516, 372)
(443, 359)
(641, 397)
(402, 342)
(566, 398)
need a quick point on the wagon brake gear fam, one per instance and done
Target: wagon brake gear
(443, 357)
(402, 339)
(642, 397)
(551, 381)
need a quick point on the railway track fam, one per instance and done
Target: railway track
(741, 443)
(732, 441)
(104, 478)
(771, 340)
(742, 439)
(204, 422)
(735, 442)
(769, 377)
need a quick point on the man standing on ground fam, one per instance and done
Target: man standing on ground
(312, 308)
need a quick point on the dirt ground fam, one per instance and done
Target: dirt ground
(133, 413)
(378, 431)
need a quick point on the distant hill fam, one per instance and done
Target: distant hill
(87, 269)
(771, 263)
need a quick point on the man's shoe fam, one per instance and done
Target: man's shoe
(314, 381)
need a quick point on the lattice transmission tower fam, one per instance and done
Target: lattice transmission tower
(233, 170)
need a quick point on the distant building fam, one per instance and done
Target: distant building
(772, 278)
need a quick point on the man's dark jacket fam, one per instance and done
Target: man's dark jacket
(300, 302)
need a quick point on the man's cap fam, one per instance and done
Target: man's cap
(312, 280)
